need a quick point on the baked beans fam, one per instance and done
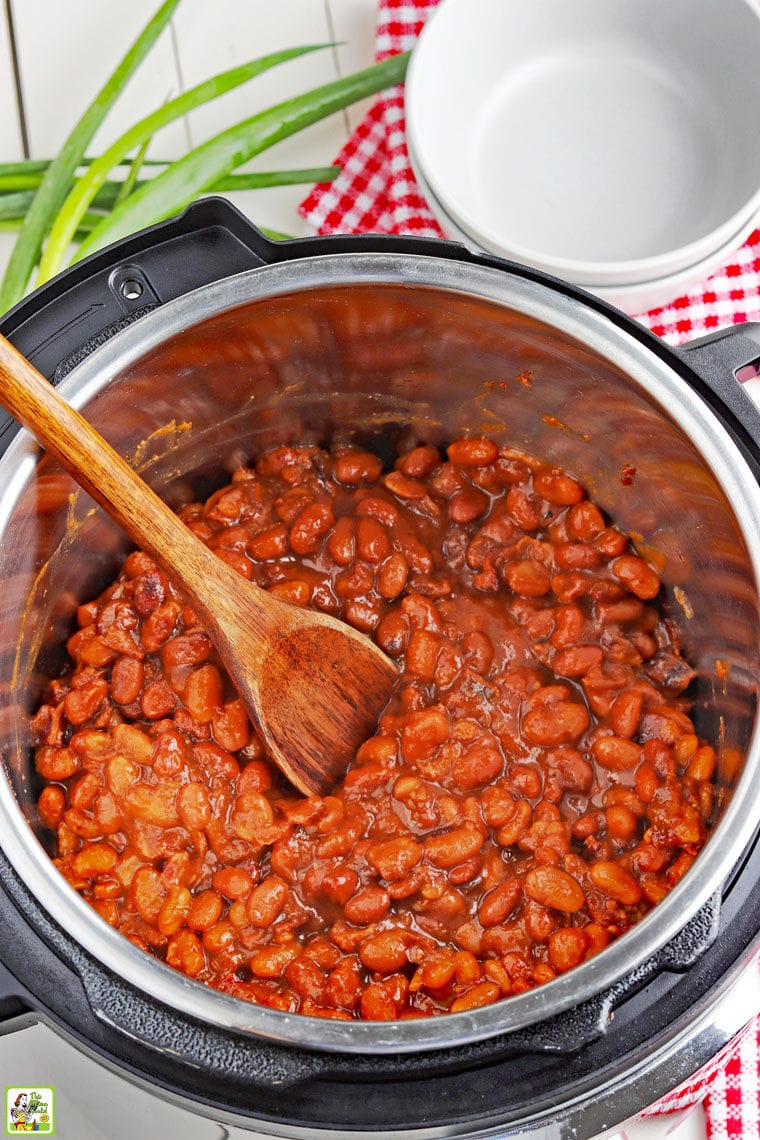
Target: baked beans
(534, 787)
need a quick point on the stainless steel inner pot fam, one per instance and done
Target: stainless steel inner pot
(380, 348)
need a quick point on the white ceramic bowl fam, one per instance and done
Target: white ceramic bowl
(633, 298)
(610, 142)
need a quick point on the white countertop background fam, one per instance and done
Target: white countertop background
(65, 49)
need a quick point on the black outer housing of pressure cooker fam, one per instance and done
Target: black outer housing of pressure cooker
(46, 975)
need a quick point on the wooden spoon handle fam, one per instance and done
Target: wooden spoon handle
(106, 476)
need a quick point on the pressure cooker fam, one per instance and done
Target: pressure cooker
(199, 341)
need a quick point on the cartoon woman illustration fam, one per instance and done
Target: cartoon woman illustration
(20, 1116)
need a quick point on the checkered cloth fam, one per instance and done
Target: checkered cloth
(376, 193)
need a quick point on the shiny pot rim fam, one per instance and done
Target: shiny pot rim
(572, 317)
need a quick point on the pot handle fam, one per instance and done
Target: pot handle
(729, 363)
(81, 308)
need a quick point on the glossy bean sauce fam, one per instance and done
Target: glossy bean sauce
(534, 787)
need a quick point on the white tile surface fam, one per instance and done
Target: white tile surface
(68, 48)
(243, 31)
(353, 24)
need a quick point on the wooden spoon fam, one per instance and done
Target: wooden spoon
(314, 686)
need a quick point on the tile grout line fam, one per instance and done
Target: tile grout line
(180, 79)
(336, 59)
(20, 108)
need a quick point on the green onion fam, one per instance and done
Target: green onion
(14, 206)
(178, 185)
(58, 176)
(86, 187)
(259, 180)
(133, 173)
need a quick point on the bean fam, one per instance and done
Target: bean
(467, 505)
(394, 858)
(309, 528)
(371, 904)
(584, 521)
(637, 575)
(621, 823)
(174, 911)
(423, 732)
(499, 903)
(528, 579)
(231, 726)
(422, 654)
(377, 1004)
(270, 543)
(616, 753)
(484, 993)
(404, 487)
(553, 887)
(266, 901)
(563, 723)
(385, 952)
(419, 462)
(454, 847)
(126, 680)
(185, 952)
(567, 948)
(372, 542)
(203, 693)
(157, 700)
(478, 765)
(625, 712)
(472, 452)
(392, 576)
(82, 704)
(575, 660)
(576, 556)
(205, 910)
(357, 467)
(51, 805)
(155, 804)
(272, 961)
(97, 859)
(552, 484)
(616, 882)
(341, 543)
(701, 766)
(232, 882)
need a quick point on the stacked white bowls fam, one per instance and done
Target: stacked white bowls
(614, 143)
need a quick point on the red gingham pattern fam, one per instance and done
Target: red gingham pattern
(376, 192)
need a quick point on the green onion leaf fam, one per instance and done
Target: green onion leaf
(179, 185)
(58, 176)
(87, 186)
(133, 173)
(259, 180)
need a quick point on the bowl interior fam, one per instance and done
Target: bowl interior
(588, 135)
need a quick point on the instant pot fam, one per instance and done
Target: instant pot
(199, 341)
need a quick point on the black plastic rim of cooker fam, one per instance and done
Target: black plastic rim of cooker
(527, 1075)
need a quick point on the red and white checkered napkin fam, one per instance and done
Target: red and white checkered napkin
(376, 192)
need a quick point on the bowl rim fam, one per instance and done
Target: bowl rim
(632, 297)
(600, 274)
